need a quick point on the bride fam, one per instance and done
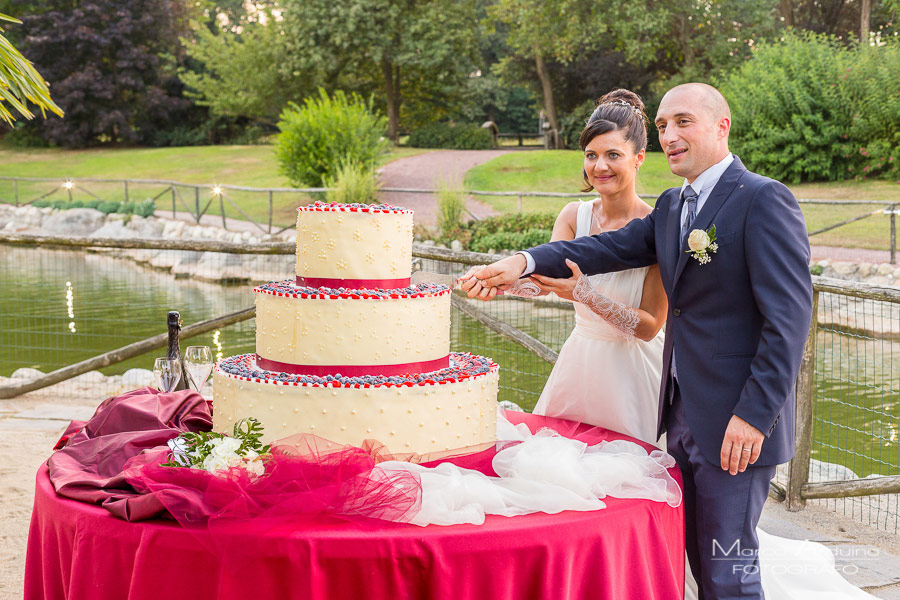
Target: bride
(609, 369)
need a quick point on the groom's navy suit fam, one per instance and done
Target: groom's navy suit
(737, 327)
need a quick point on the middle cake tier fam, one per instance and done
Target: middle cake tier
(322, 331)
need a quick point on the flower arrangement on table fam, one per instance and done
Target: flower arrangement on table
(217, 453)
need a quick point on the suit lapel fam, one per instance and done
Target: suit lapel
(723, 189)
(673, 233)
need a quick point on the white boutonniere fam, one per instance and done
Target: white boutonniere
(702, 244)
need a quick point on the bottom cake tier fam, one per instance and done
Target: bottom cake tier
(451, 408)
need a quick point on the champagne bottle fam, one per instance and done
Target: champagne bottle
(174, 352)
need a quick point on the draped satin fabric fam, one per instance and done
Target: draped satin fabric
(631, 549)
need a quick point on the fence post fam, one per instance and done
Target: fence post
(520, 203)
(270, 212)
(798, 471)
(69, 189)
(125, 183)
(893, 234)
(172, 189)
(16, 190)
(197, 203)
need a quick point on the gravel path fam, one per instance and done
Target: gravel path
(427, 171)
(854, 255)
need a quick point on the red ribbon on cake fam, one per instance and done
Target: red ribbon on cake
(425, 366)
(354, 284)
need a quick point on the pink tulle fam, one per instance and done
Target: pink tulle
(305, 478)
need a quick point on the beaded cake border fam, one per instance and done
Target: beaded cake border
(335, 383)
(363, 208)
(433, 291)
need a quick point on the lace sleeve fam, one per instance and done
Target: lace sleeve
(623, 318)
(524, 289)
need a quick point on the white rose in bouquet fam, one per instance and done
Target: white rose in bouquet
(228, 447)
(213, 463)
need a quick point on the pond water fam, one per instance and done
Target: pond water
(60, 307)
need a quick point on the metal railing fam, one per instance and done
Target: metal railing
(197, 199)
(848, 401)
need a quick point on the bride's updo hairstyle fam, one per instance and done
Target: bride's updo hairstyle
(618, 110)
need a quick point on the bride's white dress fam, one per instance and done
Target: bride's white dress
(604, 378)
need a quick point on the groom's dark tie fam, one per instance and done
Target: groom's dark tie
(689, 196)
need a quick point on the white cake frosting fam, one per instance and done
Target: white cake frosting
(350, 351)
(424, 417)
(299, 327)
(347, 242)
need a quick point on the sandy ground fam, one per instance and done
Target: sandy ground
(29, 428)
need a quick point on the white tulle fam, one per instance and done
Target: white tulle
(544, 472)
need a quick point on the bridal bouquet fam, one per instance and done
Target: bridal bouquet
(214, 452)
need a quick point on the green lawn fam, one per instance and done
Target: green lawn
(255, 166)
(560, 171)
(252, 166)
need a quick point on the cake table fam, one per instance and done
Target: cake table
(631, 549)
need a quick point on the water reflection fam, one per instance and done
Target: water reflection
(119, 302)
(70, 306)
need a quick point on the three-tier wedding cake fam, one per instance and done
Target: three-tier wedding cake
(351, 350)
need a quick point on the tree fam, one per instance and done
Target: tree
(244, 73)
(414, 52)
(560, 31)
(112, 65)
(20, 83)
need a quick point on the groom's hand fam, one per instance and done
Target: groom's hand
(740, 435)
(484, 284)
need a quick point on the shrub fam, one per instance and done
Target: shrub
(353, 183)
(317, 136)
(108, 207)
(809, 108)
(451, 211)
(508, 232)
(509, 240)
(143, 209)
(453, 136)
(513, 223)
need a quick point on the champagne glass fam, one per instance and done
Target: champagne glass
(198, 363)
(167, 374)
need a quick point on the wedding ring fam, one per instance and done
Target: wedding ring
(746, 450)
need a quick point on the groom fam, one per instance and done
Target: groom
(739, 314)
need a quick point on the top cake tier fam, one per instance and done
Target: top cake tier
(354, 245)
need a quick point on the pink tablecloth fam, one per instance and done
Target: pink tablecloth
(631, 549)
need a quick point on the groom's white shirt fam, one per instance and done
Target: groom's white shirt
(703, 185)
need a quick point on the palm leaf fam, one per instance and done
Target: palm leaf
(21, 83)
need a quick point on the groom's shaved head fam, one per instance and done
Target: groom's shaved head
(693, 121)
(711, 98)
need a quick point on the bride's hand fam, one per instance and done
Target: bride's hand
(561, 287)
